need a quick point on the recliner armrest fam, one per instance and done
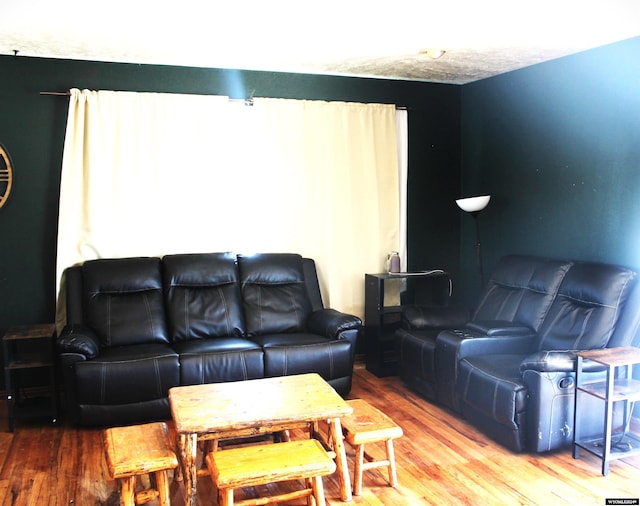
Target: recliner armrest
(331, 323)
(557, 361)
(500, 328)
(78, 339)
(418, 317)
(467, 343)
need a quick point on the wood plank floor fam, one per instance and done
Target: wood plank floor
(441, 460)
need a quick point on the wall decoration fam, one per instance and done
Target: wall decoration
(6, 175)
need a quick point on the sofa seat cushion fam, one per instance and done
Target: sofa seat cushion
(493, 385)
(300, 353)
(289, 339)
(128, 374)
(218, 360)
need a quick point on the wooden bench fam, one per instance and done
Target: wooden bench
(369, 425)
(255, 465)
(138, 450)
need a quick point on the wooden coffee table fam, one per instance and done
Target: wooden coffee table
(254, 407)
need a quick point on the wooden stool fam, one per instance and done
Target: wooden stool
(250, 466)
(137, 450)
(368, 425)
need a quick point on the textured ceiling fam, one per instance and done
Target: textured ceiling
(367, 38)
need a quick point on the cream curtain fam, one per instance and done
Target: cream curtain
(153, 174)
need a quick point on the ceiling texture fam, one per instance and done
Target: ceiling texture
(364, 38)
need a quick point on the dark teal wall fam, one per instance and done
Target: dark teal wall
(557, 145)
(32, 129)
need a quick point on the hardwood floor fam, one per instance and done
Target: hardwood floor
(441, 460)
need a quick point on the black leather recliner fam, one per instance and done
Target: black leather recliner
(491, 388)
(136, 327)
(514, 302)
(510, 371)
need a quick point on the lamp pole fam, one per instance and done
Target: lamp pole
(473, 206)
(475, 215)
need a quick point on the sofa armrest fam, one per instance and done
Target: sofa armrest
(418, 317)
(78, 340)
(557, 361)
(332, 323)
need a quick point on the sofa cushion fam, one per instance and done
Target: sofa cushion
(127, 374)
(202, 296)
(300, 352)
(219, 359)
(274, 294)
(585, 312)
(124, 302)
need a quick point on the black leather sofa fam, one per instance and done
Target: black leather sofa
(508, 367)
(136, 327)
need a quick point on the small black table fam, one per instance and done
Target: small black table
(382, 320)
(28, 348)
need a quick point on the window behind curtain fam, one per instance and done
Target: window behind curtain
(148, 174)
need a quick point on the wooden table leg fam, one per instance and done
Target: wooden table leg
(188, 446)
(335, 428)
(128, 491)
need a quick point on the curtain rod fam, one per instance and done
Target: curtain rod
(248, 101)
(68, 94)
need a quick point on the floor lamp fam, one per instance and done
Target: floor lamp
(473, 205)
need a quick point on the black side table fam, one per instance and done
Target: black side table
(382, 320)
(25, 348)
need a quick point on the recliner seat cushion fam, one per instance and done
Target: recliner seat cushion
(123, 301)
(202, 296)
(274, 294)
(127, 374)
(218, 360)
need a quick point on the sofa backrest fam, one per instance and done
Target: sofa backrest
(586, 310)
(202, 296)
(123, 300)
(274, 294)
(521, 290)
(312, 284)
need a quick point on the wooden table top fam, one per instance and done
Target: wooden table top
(220, 407)
(613, 356)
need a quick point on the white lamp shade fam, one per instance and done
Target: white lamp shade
(473, 204)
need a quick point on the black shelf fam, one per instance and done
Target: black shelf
(622, 445)
(382, 320)
(28, 348)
